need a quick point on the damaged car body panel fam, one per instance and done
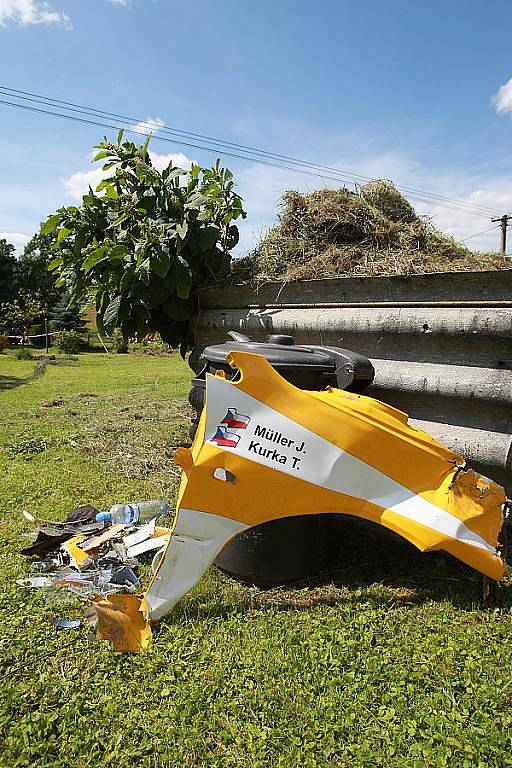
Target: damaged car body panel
(265, 450)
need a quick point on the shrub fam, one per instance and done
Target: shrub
(23, 353)
(4, 341)
(154, 345)
(119, 343)
(68, 342)
(146, 241)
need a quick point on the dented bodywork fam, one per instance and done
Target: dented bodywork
(265, 450)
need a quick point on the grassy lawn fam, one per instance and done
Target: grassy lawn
(396, 663)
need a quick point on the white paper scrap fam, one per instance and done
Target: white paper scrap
(154, 543)
(141, 534)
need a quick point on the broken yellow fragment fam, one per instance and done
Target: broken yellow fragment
(77, 555)
(118, 619)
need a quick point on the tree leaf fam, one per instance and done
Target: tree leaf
(207, 237)
(173, 173)
(63, 233)
(117, 252)
(50, 224)
(182, 230)
(196, 200)
(54, 263)
(104, 153)
(93, 258)
(120, 218)
(183, 278)
(111, 314)
(178, 309)
(160, 261)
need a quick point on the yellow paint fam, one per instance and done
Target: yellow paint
(77, 555)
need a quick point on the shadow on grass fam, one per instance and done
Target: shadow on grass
(371, 566)
(10, 382)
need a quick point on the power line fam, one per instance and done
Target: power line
(344, 175)
(479, 233)
(207, 149)
(216, 150)
(159, 138)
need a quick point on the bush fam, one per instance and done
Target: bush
(4, 341)
(155, 345)
(119, 343)
(23, 353)
(69, 342)
(146, 241)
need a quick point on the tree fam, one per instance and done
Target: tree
(33, 274)
(20, 313)
(146, 241)
(7, 271)
(68, 316)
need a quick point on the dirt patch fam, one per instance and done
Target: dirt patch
(131, 438)
(56, 402)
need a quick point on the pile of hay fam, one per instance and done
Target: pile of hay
(373, 231)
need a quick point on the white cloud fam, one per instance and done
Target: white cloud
(149, 125)
(502, 100)
(178, 159)
(121, 2)
(15, 238)
(24, 12)
(77, 185)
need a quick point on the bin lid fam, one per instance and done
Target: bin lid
(280, 351)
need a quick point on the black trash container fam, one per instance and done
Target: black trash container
(293, 548)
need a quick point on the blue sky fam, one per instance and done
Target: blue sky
(417, 92)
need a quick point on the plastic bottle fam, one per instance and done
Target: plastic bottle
(131, 514)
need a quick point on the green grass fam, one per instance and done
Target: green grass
(396, 663)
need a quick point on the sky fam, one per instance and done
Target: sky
(418, 93)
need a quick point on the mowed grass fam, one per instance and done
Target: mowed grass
(395, 662)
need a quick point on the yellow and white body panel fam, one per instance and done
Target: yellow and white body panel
(266, 450)
(197, 539)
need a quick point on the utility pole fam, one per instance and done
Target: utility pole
(503, 226)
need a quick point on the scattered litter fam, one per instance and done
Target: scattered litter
(85, 514)
(86, 555)
(125, 577)
(156, 560)
(51, 535)
(131, 514)
(35, 582)
(65, 623)
(143, 533)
